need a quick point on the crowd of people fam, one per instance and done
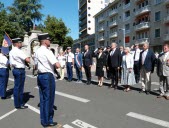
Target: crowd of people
(127, 66)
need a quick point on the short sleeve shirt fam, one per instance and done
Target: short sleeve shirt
(69, 57)
(3, 61)
(45, 60)
(17, 58)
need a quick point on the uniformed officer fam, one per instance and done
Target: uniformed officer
(45, 62)
(18, 59)
(69, 63)
(4, 75)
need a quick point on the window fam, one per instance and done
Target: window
(127, 14)
(157, 16)
(89, 28)
(89, 8)
(157, 33)
(89, 15)
(158, 1)
(89, 21)
(127, 27)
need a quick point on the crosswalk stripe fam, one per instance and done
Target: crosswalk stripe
(148, 119)
(7, 114)
(71, 96)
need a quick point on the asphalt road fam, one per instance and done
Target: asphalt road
(89, 106)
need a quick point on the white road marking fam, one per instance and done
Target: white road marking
(31, 76)
(67, 126)
(33, 108)
(30, 107)
(82, 124)
(149, 119)
(11, 79)
(7, 114)
(71, 96)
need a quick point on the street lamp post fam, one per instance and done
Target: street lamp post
(123, 29)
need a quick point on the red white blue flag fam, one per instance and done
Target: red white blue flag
(5, 44)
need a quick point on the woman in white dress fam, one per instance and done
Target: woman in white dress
(62, 62)
(127, 77)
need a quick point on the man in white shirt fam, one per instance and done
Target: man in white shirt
(45, 63)
(4, 75)
(136, 56)
(163, 71)
(18, 59)
(69, 64)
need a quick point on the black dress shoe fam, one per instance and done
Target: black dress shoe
(22, 107)
(4, 98)
(141, 91)
(51, 125)
(148, 92)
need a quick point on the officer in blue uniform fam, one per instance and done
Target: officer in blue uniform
(69, 64)
(46, 63)
(18, 59)
(4, 75)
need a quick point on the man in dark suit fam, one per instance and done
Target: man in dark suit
(146, 62)
(107, 52)
(87, 63)
(114, 63)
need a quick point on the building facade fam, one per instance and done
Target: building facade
(127, 22)
(87, 10)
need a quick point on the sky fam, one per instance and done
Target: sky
(67, 10)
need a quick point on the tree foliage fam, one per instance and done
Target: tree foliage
(25, 13)
(6, 25)
(58, 31)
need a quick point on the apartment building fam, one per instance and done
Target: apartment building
(87, 10)
(133, 21)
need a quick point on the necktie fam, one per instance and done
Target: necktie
(134, 54)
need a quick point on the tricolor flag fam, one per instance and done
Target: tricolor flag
(6, 43)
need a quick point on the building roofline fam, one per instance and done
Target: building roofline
(106, 8)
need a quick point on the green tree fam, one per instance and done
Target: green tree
(25, 13)
(56, 29)
(6, 25)
(68, 42)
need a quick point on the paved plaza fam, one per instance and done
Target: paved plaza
(88, 106)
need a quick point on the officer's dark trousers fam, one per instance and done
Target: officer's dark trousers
(19, 78)
(4, 75)
(78, 73)
(137, 71)
(69, 70)
(46, 83)
(88, 73)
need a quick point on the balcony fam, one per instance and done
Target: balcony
(113, 12)
(143, 10)
(83, 2)
(166, 19)
(113, 23)
(101, 38)
(126, 6)
(101, 29)
(113, 35)
(101, 19)
(166, 37)
(143, 40)
(83, 28)
(142, 26)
